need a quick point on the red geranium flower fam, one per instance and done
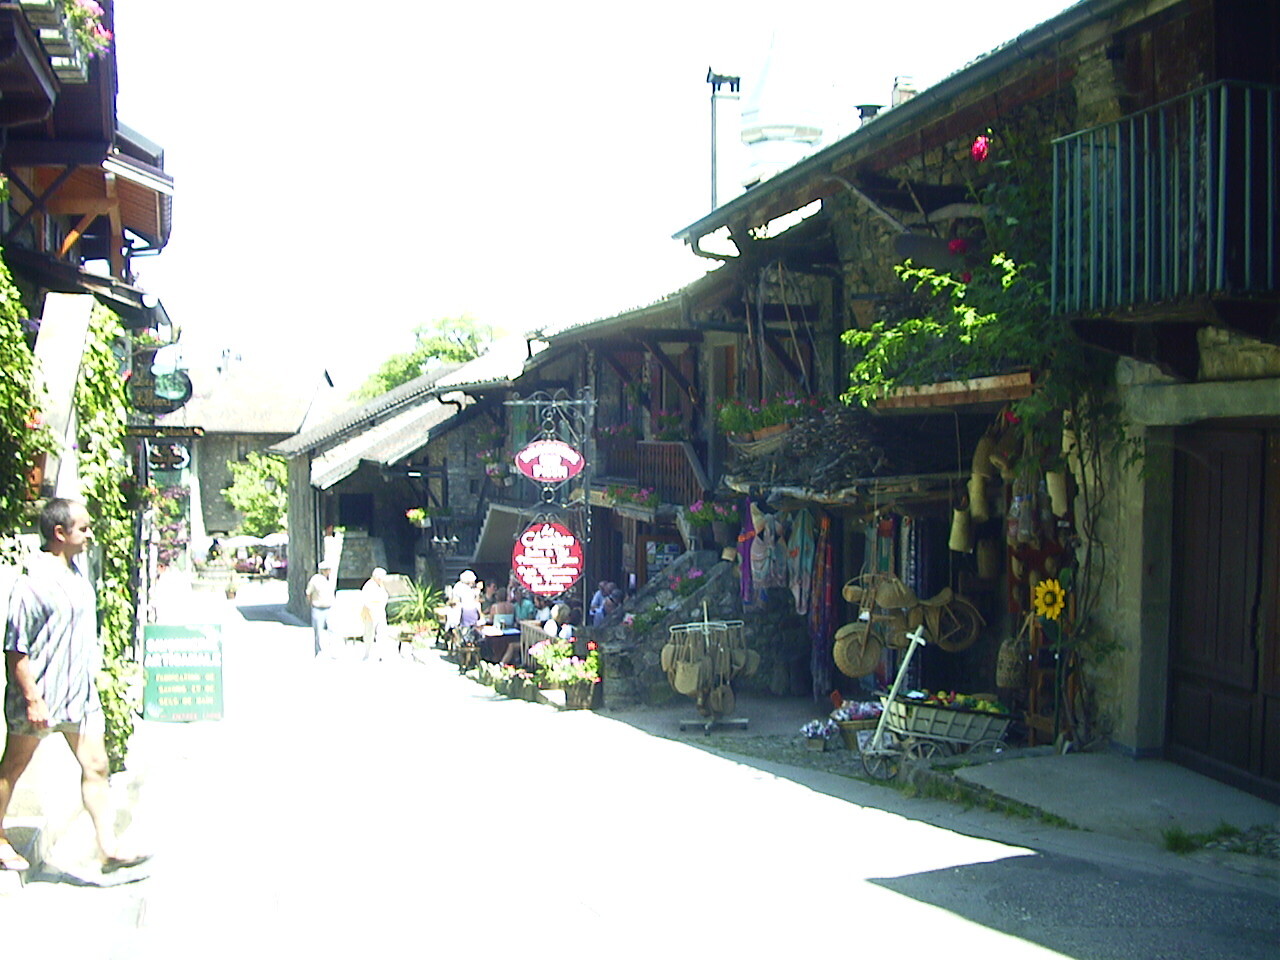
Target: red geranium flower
(958, 246)
(981, 149)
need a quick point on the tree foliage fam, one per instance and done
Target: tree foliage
(258, 493)
(447, 340)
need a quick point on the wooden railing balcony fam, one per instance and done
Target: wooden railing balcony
(673, 469)
(1176, 202)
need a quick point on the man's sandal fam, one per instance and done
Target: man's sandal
(11, 859)
(112, 864)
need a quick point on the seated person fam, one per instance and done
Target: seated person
(526, 609)
(502, 612)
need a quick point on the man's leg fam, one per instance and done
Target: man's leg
(318, 625)
(18, 750)
(90, 750)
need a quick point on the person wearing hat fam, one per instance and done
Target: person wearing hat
(321, 591)
(373, 599)
(465, 601)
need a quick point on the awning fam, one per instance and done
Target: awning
(383, 444)
(502, 524)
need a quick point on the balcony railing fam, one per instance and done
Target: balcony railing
(673, 469)
(1175, 202)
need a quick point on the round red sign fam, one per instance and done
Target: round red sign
(550, 461)
(547, 559)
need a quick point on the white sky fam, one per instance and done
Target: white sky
(346, 171)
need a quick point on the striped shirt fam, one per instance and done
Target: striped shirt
(53, 620)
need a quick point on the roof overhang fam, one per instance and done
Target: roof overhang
(137, 309)
(827, 172)
(28, 85)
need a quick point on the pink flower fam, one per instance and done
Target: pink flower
(980, 149)
(958, 246)
(966, 277)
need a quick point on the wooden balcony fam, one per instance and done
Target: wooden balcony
(673, 469)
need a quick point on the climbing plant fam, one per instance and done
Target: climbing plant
(24, 437)
(102, 408)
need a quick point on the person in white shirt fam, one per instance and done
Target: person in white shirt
(373, 599)
(320, 595)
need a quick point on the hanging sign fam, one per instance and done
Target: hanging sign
(550, 461)
(547, 558)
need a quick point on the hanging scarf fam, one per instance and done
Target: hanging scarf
(821, 662)
(801, 551)
(745, 536)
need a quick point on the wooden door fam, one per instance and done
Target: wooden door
(1224, 693)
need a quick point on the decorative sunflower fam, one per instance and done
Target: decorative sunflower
(1050, 599)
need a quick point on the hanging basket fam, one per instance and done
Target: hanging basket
(764, 441)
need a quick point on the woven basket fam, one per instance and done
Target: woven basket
(849, 730)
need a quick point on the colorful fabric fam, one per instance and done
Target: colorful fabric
(801, 554)
(821, 612)
(745, 537)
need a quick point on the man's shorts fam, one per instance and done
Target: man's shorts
(93, 723)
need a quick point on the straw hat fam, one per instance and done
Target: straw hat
(467, 576)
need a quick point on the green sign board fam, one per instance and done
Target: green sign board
(183, 668)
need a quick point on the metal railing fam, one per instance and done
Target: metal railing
(1176, 201)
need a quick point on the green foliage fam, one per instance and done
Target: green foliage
(419, 606)
(258, 491)
(741, 416)
(557, 664)
(23, 436)
(170, 520)
(447, 340)
(102, 408)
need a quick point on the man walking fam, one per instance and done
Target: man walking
(51, 657)
(320, 595)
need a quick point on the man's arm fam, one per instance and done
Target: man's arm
(19, 665)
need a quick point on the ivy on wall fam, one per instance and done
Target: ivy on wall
(102, 408)
(23, 435)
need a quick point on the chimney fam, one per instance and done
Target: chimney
(904, 88)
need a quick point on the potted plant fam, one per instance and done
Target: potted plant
(419, 517)
(723, 518)
(819, 733)
(668, 425)
(578, 677)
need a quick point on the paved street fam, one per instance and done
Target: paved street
(398, 809)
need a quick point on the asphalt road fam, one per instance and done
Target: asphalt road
(346, 808)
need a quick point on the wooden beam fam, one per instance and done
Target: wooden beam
(672, 370)
(37, 203)
(623, 373)
(997, 389)
(775, 347)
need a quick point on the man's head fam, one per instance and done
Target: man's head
(378, 575)
(65, 526)
(325, 567)
(467, 576)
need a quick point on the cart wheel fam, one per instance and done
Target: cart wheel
(987, 749)
(958, 625)
(882, 765)
(924, 750)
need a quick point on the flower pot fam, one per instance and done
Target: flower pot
(764, 433)
(816, 744)
(722, 533)
(580, 696)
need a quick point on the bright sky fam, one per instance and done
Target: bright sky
(347, 171)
